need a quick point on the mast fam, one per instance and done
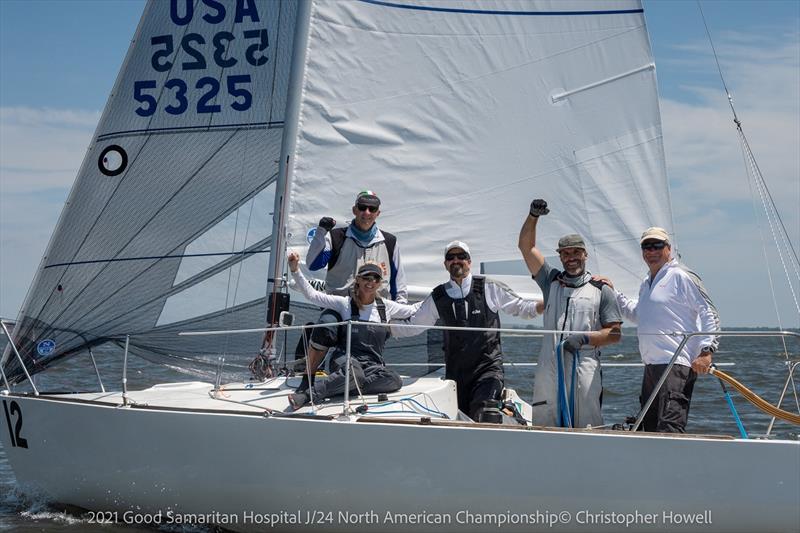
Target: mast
(288, 143)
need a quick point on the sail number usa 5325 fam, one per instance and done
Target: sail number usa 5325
(237, 51)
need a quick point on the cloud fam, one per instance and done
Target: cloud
(713, 210)
(40, 153)
(42, 149)
(65, 118)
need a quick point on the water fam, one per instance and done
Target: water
(759, 364)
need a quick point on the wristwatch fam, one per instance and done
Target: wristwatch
(706, 349)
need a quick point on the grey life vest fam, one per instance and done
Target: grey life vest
(571, 309)
(347, 255)
(469, 355)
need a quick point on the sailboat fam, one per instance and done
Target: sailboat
(454, 111)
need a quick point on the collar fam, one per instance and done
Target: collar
(574, 281)
(464, 287)
(364, 237)
(663, 270)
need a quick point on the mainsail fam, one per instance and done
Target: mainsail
(168, 225)
(459, 113)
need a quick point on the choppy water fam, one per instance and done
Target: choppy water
(759, 364)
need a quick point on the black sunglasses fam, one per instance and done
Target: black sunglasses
(654, 245)
(462, 255)
(370, 277)
(370, 208)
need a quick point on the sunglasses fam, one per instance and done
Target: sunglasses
(370, 208)
(371, 278)
(654, 246)
(463, 256)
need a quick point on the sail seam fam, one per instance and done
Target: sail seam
(465, 11)
(194, 129)
(144, 257)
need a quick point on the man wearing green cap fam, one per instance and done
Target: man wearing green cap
(568, 389)
(342, 251)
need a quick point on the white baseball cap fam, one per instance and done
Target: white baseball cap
(656, 234)
(456, 244)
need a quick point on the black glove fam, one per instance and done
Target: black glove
(327, 223)
(573, 343)
(539, 208)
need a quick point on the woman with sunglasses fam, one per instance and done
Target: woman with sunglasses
(369, 374)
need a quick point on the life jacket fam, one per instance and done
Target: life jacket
(338, 236)
(366, 342)
(569, 307)
(382, 253)
(355, 314)
(469, 355)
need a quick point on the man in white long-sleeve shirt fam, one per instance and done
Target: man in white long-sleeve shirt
(473, 359)
(671, 299)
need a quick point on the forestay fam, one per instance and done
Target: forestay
(168, 223)
(458, 113)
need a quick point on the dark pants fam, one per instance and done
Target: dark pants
(670, 409)
(372, 378)
(324, 338)
(472, 400)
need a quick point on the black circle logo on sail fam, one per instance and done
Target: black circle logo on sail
(113, 160)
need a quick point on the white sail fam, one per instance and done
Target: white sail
(167, 225)
(459, 113)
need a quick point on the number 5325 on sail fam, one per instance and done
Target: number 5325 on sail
(176, 98)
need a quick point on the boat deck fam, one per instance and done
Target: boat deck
(430, 400)
(419, 397)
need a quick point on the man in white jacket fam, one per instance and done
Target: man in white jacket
(473, 359)
(671, 299)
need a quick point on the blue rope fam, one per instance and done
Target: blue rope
(434, 411)
(401, 401)
(735, 413)
(575, 361)
(564, 412)
(739, 424)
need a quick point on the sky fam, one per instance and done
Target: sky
(59, 60)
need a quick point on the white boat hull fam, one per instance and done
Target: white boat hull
(250, 472)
